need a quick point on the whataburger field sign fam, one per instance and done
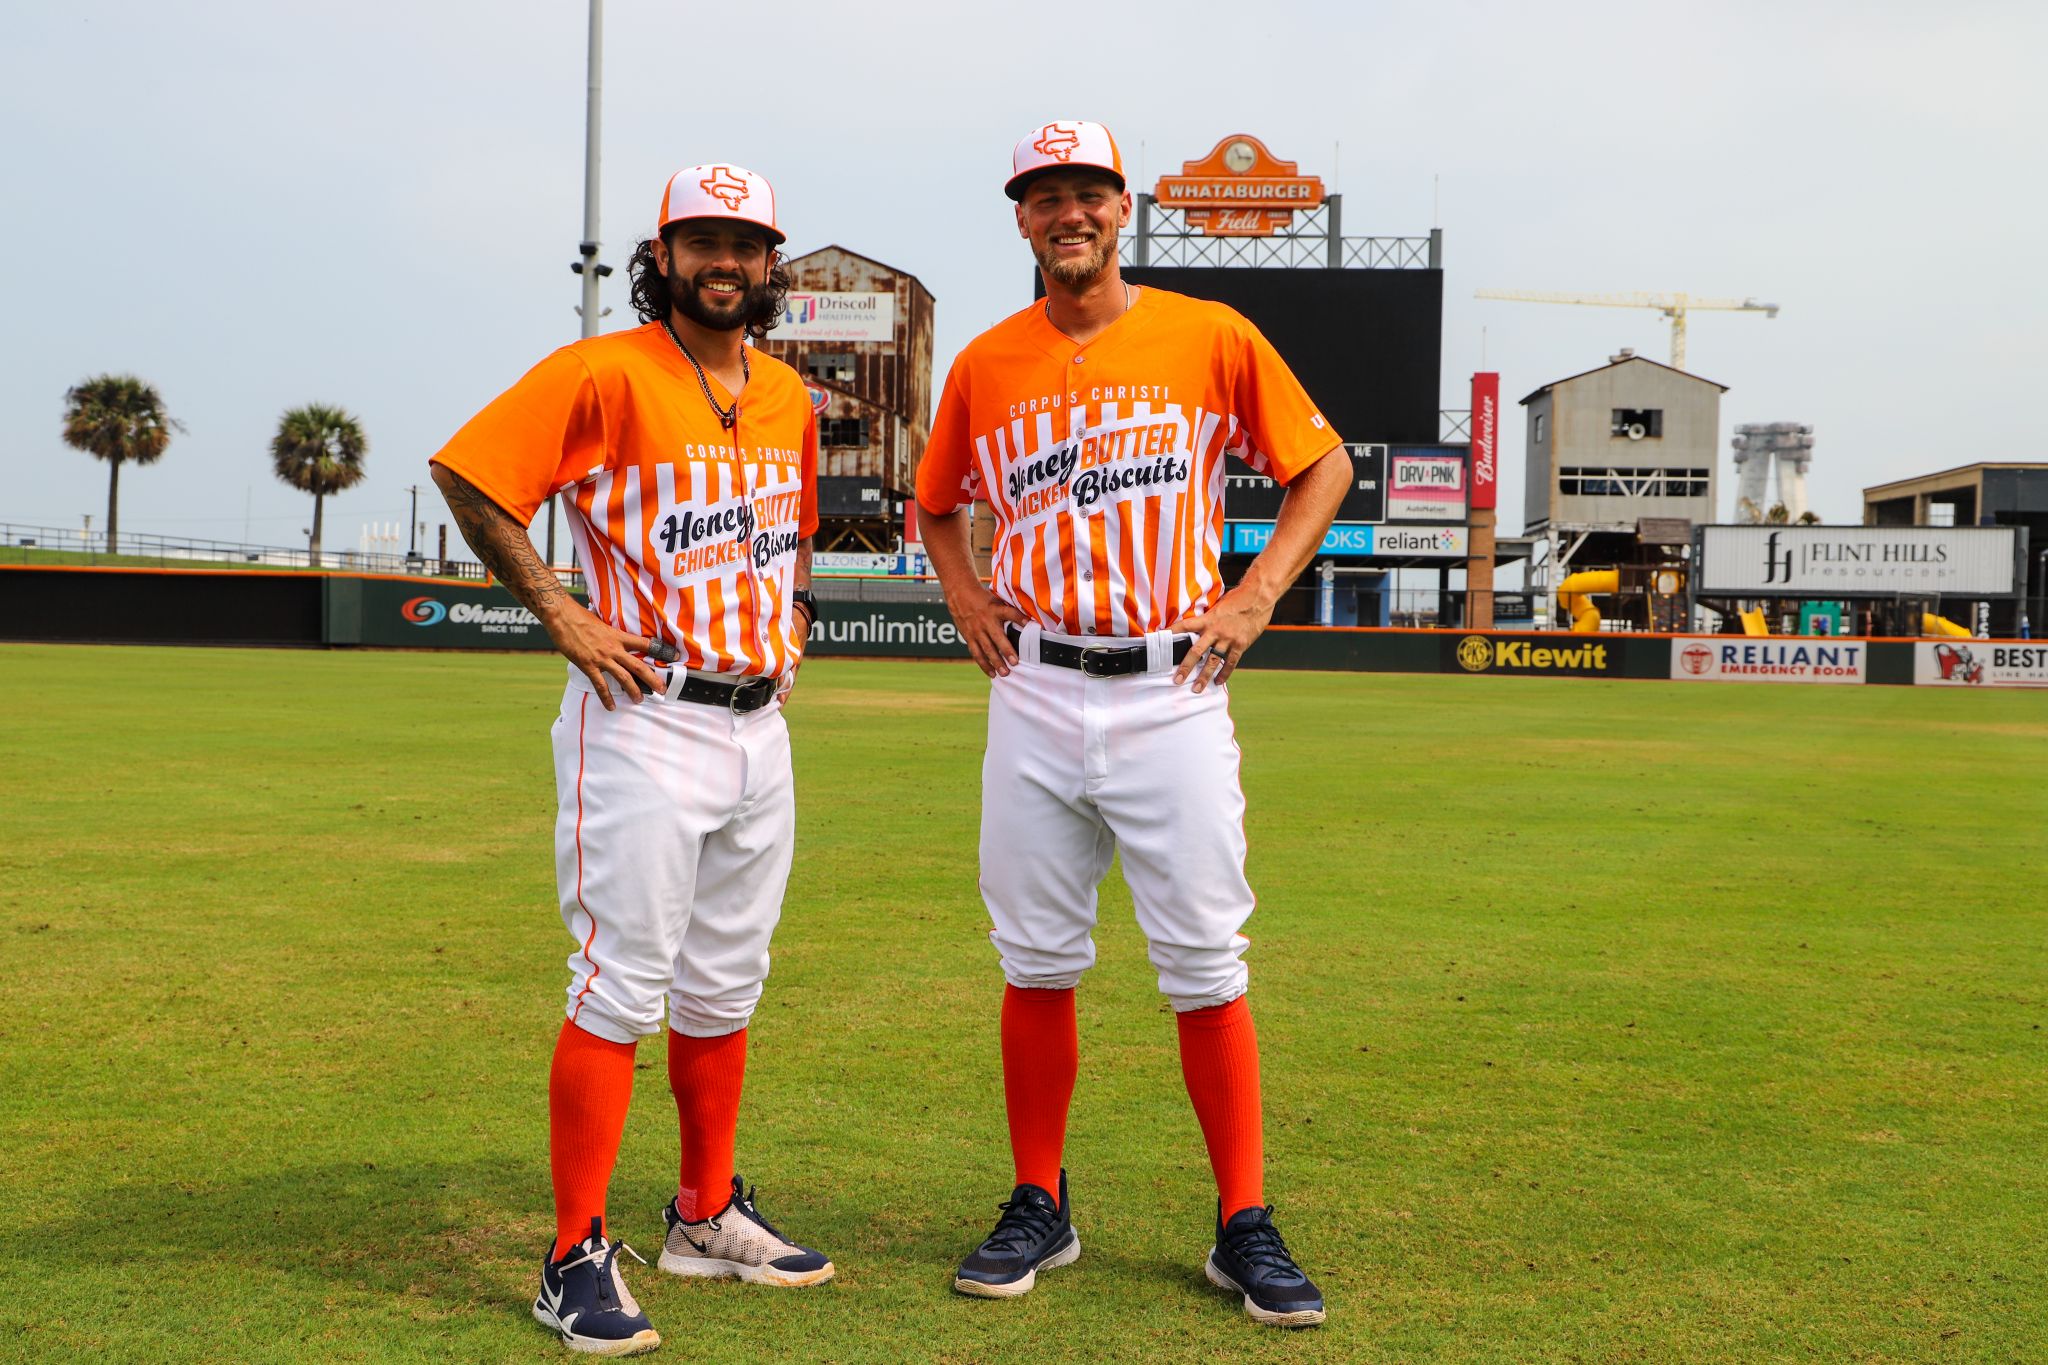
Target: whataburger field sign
(1239, 190)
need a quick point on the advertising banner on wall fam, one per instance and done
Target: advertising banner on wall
(912, 630)
(837, 317)
(1485, 432)
(1725, 659)
(1251, 496)
(1425, 487)
(1980, 663)
(1345, 540)
(429, 615)
(1543, 656)
(1858, 561)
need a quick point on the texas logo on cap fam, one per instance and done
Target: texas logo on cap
(1062, 143)
(725, 187)
(1057, 141)
(719, 190)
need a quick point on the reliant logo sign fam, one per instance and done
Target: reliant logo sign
(1239, 190)
(1745, 660)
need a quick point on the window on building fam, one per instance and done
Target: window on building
(842, 431)
(1636, 424)
(834, 367)
(1590, 482)
(1539, 428)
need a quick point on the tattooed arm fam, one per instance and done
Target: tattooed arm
(602, 653)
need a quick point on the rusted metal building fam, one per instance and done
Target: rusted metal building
(860, 332)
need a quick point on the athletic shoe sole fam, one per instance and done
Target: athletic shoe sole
(706, 1268)
(1300, 1317)
(981, 1289)
(637, 1344)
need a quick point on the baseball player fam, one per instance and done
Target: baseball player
(1095, 423)
(691, 492)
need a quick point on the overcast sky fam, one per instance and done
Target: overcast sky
(257, 205)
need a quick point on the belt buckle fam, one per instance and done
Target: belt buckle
(1095, 660)
(748, 689)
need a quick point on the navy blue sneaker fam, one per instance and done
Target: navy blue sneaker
(1250, 1258)
(1033, 1234)
(584, 1299)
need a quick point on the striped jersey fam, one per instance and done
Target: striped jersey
(1103, 463)
(686, 532)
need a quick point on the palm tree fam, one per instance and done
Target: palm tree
(319, 450)
(119, 419)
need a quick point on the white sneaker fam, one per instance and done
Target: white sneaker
(737, 1243)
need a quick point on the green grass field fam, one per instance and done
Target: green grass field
(1602, 1022)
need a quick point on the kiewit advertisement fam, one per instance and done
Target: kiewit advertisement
(1858, 561)
(1722, 659)
(1485, 431)
(1425, 487)
(1541, 656)
(1980, 663)
(838, 317)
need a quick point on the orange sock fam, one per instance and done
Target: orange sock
(589, 1086)
(1041, 1056)
(705, 1074)
(1219, 1060)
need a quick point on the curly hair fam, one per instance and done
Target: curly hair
(651, 296)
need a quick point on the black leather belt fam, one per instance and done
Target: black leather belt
(1101, 661)
(739, 698)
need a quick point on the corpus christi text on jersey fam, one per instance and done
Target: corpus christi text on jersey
(1101, 393)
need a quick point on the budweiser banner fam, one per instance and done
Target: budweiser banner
(1485, 439)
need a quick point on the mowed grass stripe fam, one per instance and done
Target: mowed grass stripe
(1602, 1021)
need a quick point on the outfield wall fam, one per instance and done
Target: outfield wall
(255, 607)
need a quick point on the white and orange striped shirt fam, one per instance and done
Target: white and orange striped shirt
(687, 532)
(1103, 463)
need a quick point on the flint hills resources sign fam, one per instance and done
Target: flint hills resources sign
(1853, 561)
(1239, 190)
(1795, 661)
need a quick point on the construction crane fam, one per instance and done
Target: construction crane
(1673, 306)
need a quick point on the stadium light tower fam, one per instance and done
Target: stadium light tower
(587, 264)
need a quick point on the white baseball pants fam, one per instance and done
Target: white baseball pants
(1078, 767)
(673, 834)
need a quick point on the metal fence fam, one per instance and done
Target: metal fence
(48, 544)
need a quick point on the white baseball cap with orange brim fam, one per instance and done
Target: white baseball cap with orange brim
(1067, 144)
(721, 191)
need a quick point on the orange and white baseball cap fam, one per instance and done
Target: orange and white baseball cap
(1059, 146)
(719, 191)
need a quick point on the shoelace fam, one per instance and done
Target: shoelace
(1259, 1244)
(1023, 1222)
(601, 1253)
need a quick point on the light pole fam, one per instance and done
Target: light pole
(588, 266)
(412, 530)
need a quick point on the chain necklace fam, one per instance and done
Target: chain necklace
(727, 417)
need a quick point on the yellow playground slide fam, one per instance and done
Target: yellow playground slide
(1574, 594)
(1930, 624)
(1753, 623)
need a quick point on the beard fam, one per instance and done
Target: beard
(1073, 271)
(749, 305)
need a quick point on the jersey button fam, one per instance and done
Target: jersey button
(1079, 358)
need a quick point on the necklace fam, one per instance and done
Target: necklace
(727, 417)
(1047, 305)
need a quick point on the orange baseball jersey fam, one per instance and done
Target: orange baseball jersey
(686, 532)
(1104, 463)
